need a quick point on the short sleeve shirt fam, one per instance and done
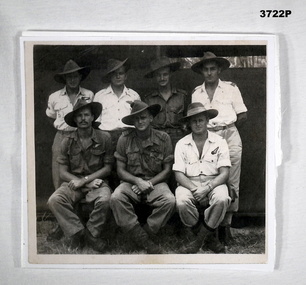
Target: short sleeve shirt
(215, 154)
(60, 105)
(114, 108)
(86, 161)
(144, 158)
(227, 100)
(172, 109)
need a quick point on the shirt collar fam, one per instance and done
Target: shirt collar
(189, 139)
(152, 139)
(218, 86)
(156, 92)
(109, 89)
(74, 135)
(64, 91)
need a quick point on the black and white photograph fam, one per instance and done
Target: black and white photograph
(147, 152)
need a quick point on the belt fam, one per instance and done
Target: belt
(219, 128)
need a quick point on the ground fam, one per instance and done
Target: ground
(248, 238)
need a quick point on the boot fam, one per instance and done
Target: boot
(195, 245)
(225, 235)
(141, 238)
(188, 234)
(152, 235)
(214, 244)
(55, 234)
(76, 241)
(95, 243)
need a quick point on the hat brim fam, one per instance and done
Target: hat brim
(173, 67)
(60, 77)
(96, 109)
(211, 113)
(106, 74)
(153, 109)
(222, 62)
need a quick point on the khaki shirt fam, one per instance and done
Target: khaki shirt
(172, 110)
(82, 162)
(144, 158)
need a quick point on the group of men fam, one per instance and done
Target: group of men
(154, 143)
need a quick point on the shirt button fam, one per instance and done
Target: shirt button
(200, 161)
(201, 171)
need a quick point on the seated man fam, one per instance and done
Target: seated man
(144, 159)
(201, 166)
(86, 159)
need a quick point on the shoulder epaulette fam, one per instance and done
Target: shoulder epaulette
(127, 132)
(161, 135)
(230, 83)
(101, 133)
(196, 88)
(182, 91)
(152, 92)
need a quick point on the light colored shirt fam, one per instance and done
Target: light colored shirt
(59, 105)
(227, 100)
(114, 107)
(215, 154)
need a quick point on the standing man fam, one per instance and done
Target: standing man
(115, 99)
(226, 98)
(201, 165)
(144, 159)
(61, 103)
(85, 162)
(173, 101)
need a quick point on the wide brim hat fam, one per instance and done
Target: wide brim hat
(198, 108)
(161, 63)
(70, 67)
(96, 109)
(113, 65)
(223, 63)
(137, 107)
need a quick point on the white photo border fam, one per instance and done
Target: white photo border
(31, 259)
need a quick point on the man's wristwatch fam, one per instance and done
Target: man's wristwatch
(86, 179)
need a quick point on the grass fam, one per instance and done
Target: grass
(247, 240)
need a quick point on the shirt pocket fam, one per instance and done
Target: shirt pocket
(192, 165)
(62, 108)
(97, 156)
(154, 159)
(75, 157)
(109, 105)
(133, 158)
(211, 158)
(223, 100)
(176, 113)
(134, 163)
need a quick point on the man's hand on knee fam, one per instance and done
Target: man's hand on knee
(76, 183)
(96, 183)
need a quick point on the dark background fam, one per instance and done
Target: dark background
(50, 59)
